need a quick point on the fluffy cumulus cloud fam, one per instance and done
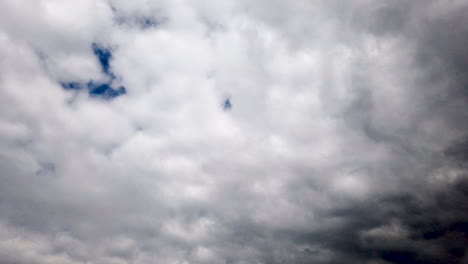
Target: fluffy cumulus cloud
(233, 131)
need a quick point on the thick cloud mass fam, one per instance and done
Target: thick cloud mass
(233, 131)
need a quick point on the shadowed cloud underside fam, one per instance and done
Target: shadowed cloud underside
(263, 132)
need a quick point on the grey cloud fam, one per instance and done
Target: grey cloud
(345, 141)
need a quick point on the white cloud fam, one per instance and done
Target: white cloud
(329, 109)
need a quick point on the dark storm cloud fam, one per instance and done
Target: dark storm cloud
(458, 151)
(400, 228)
(419, 222)
(435, 218)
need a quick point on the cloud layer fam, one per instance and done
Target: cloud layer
(235, 132)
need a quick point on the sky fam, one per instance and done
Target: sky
(235, 132)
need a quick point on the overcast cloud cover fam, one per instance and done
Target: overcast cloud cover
(250, 131)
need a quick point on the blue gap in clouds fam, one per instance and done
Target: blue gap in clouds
(104, 56)
(227, 105)
(71, 85)
(149, 22)
(102, 90)
(140, 21)
(96, 89)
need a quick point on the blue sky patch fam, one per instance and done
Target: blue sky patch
(71, 85)
(141, 22)
(150, 22)
(147, 22)
(104, 56)
(227, 106)
(104, 90)
(96, 89)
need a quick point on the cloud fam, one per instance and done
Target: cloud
(248, 132)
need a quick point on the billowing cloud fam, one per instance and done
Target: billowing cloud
(233, 132)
